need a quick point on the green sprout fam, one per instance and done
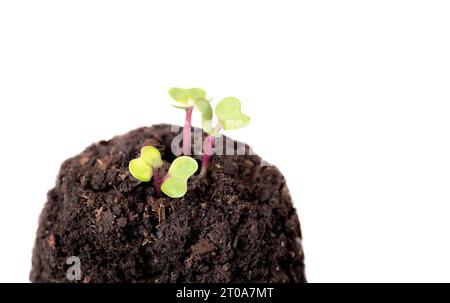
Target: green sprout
(229, 116)
(175, 183)
(186, 98)
(207, 115)
(229, 113)
(146, 166)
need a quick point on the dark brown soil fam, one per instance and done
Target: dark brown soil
(235, 225)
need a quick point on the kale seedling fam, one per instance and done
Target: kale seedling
(174, 184)
(229, 116)
(185, 98)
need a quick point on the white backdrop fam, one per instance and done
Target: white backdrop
(350, 99)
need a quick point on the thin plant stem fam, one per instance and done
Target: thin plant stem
(187, 132)
(208, 150)
(157, 182)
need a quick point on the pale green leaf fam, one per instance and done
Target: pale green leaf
(179, 94)
(229, 113)
(204, 107)
(196, 92)
(152, 156)
(186, 96)
(183, 167)
(174, 187)
(207, 114)
(141, 170)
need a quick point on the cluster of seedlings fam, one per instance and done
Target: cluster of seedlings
(174, 183)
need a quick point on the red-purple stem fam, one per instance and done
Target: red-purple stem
(187, 132)
(208, 150)
(157, 182)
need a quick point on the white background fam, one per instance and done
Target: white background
(350, 99)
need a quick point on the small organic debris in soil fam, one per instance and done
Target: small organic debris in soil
(236, 224)
(52, 241)
(202, 247)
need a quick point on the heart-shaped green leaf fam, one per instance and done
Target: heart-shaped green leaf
(141, 170)
(175, 185)
(186, 96)
(152, 156)
(229, 113)
(142, 167)
(207, 115)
